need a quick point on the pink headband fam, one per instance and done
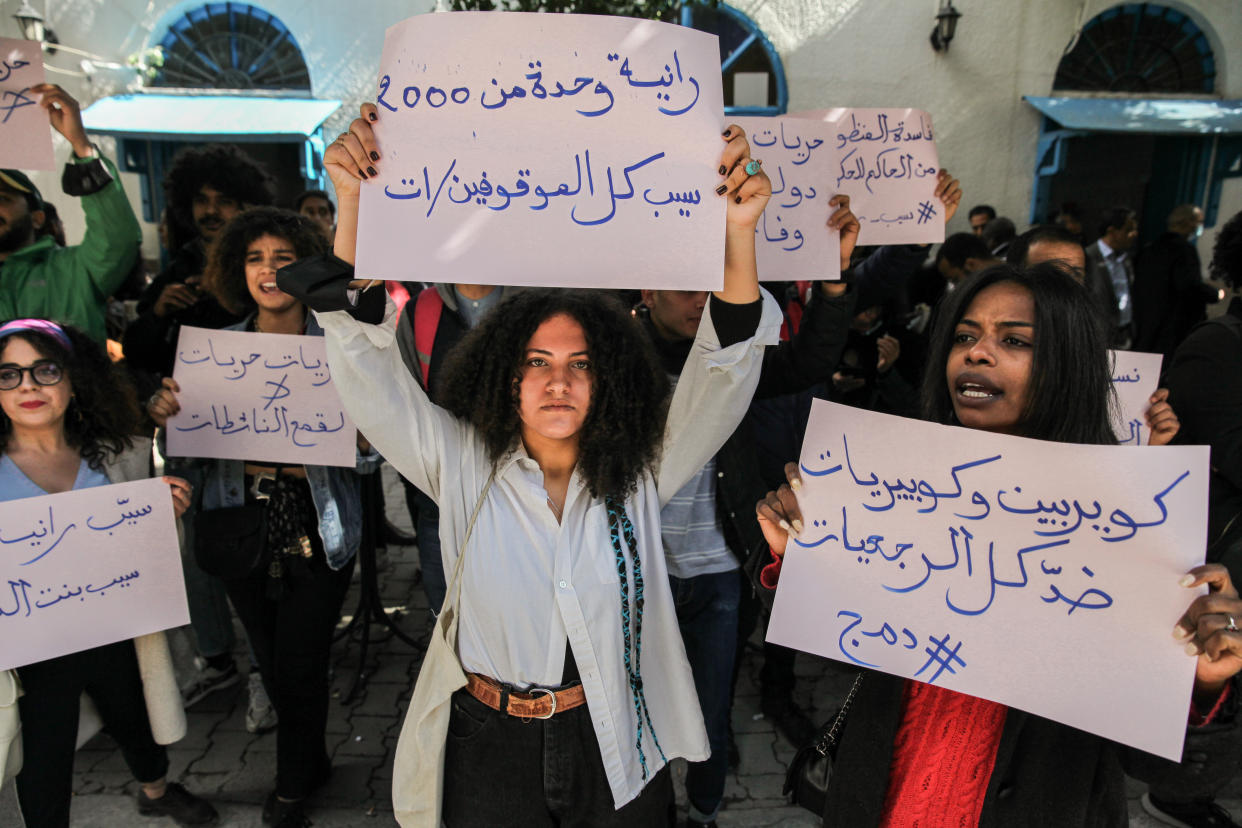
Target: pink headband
(37, 326)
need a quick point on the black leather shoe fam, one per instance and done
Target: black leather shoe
(180, 805)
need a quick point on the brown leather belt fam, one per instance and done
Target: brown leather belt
(538, 704)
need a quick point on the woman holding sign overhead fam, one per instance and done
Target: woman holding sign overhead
(289, 602)
(1019, 351)
(66, 419)
(550, 459)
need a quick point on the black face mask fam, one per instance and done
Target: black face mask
(17, 235)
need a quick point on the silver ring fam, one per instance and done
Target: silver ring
(1231, 626)
(752, 167)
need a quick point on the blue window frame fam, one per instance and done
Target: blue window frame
(232, 46)
(743, 48)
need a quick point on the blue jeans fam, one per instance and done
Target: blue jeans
(707, 609)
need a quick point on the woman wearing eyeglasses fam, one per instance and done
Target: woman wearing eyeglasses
(66, 420)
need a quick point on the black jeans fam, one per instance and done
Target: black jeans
(49, 711)
(291, 639)
(500, 770)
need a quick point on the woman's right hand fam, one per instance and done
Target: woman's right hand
(779, 514)
(163, 403)
(352, 157)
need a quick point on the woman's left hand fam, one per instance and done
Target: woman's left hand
(747, 192)
(181, 490)
(1161, 419)
(1209, 630)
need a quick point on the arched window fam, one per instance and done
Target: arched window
(754, 79)
(232, 46)
(1139, 47)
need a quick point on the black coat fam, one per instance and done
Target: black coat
(1170, 296)
(1045, 773)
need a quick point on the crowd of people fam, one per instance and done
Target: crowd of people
(600, 487)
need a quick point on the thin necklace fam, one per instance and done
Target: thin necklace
(555, 510)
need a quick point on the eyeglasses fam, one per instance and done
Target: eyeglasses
(43, 372)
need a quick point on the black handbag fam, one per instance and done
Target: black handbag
(806, 781)
(231, 543)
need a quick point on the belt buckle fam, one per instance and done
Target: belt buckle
(551, 695)
(256, 490)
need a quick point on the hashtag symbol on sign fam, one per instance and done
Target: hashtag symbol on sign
(942, 657)
(926, 211)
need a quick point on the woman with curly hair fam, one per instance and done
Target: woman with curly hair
(557, 434)
(290, 606)
(66, 419)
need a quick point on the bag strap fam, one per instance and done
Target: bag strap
(832, 734)
(427, 310)
(453, 594)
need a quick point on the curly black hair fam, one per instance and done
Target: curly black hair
(103, 412)
(1071, 396)
(1227, 253)
(222, 167)
(623, 428)
(225, 275)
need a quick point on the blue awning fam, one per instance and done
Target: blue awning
(1158, 116)
(207, 117)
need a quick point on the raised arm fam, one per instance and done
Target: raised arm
(723, 367)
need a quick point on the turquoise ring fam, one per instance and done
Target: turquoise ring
(752, 167)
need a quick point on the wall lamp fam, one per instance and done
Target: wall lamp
(946, 26)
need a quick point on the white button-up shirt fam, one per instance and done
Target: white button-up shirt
(529, 583)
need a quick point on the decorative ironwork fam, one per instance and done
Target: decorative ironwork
(232, 46)
(1139, 47)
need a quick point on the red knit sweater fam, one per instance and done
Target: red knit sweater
(942, 758)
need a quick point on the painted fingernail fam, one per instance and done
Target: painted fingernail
(723, 169)
(1187, 580)
(737, 199)
(796, 484)
(721, 189)
(1180, 632)
(364, 175)
(784, 524)
(372, 116)
(371, 171)
(1192, 649)
(797, 525)
(374, 156)
(726, 133)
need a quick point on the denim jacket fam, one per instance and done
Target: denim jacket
(336, 490)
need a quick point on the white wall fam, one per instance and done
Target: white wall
(835, 52)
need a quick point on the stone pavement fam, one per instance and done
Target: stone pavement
(218, 759)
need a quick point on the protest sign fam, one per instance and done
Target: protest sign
(1039, 575)
(86, 568)
(25, 134)
(792, 240)
(572, 150)
(1136, 376)
(258, 396)
(886, 160)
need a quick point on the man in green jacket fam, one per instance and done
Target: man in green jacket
(67, 284)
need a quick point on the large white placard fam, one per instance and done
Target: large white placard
(1040, 575)
(86, 568)
(1136, 376)
(560, 150)
(258, 396)
(886, 160)
(792, 240)
(25, 135)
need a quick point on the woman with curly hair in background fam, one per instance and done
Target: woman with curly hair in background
(557, 433)
(290, 606)
(67, 418)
